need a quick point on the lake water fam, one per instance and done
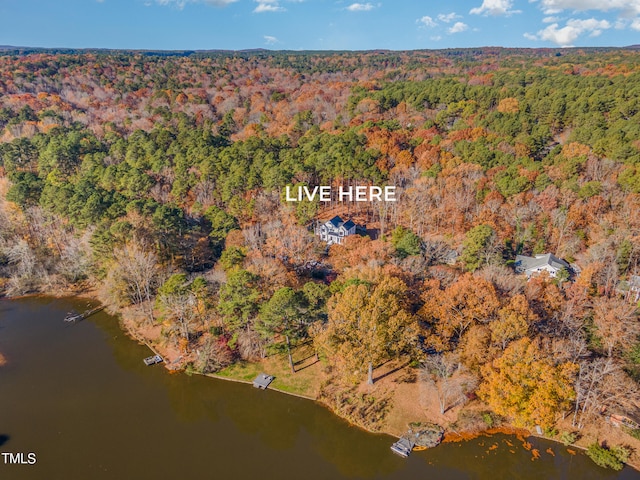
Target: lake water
(80, 398)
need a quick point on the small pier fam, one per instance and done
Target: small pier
(153, 360)
(419, 437)
(262, 381)
(73, 317)
(403, 447)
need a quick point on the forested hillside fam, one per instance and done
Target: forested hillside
(160, 179)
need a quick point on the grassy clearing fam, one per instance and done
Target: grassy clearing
(306, 381)
(241, 371)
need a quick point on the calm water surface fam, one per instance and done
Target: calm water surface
(81, 399)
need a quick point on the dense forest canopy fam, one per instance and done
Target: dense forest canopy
(161, 176)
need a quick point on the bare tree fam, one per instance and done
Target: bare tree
(251, 345)
(22, 260)
(76, 257)
(601, 384)
(617, 324)
(438, 371)
(138, 270)
(181, 309)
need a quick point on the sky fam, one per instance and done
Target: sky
(318, 24)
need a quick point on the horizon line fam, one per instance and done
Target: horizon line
(8, 48)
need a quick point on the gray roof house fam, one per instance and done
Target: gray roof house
(335, 230)
(547, 262)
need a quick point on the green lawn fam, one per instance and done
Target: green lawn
(305, 381)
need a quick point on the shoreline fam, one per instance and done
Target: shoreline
(507, 429)
(450, 436)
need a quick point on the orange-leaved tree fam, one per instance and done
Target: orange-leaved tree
(467, 301)
(513, 321)
(527, 386)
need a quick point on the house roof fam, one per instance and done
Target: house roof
(349, 224)
(336, 221)
(529, 263)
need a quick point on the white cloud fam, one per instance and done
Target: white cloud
(270, 40)
(427, 21)
(624, 23)
(627, 7)
(360, 7)
(550, 19)
(268, 6)
(449, 17)
(494, 7)
(458, 27)
(436, 38)
(566, 35)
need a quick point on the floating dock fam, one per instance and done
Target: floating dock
(153, 360)
(263, 380)
(421, 435)
(403, 447)
(76, 317)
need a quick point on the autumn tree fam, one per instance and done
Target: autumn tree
(475, 347)
(527, 386)
(544, 296)
(367, 324)
(213, 355)
(356, 250)
(290, 243)
(467, 301)
(512, 322)
(617, 324)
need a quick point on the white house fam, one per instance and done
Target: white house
(547, 262)
(335, 230)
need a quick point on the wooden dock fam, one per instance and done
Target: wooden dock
(262, 381)
(152, 360)
(421, 435)
(403, 447)
(73, 317)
